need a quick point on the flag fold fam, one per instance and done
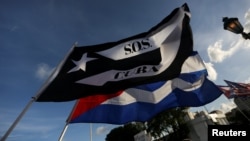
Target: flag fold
(142, 102)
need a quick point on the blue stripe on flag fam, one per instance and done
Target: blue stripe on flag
(142, 111)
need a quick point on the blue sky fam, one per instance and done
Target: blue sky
(35, 35)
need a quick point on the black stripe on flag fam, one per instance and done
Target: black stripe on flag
(152, 56)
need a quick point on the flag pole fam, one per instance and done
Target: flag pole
(17, 119)
(242, 111)
(206, 109)
(67, 122)
(64, 131)
(32, 100)
(90, 128)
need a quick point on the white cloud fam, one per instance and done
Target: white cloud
(247, 80)
(101, 130)
(224, 107)
(217, 54)
(227, 107)
(247, 24)
(32, 127)
(43, 71)
(212, 74)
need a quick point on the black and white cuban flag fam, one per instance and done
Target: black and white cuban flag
(152, 56)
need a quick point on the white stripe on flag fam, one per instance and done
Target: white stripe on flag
(156, 40)
(169, 46)
(131, 95)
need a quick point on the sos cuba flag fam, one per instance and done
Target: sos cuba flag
(155, 55)
(141, 103)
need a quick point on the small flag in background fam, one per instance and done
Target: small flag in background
(152, 56)
(226, 91)
(235, 85)
(140, 103)
(238, 89)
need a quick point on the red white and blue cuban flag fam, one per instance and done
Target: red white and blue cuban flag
(150, 57)
(142, 102)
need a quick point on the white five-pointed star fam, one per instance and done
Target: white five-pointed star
(81, 64)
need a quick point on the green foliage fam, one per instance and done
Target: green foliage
(170, 122)
(240, 118)
(125, 133)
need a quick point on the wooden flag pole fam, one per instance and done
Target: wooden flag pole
(18, 119)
